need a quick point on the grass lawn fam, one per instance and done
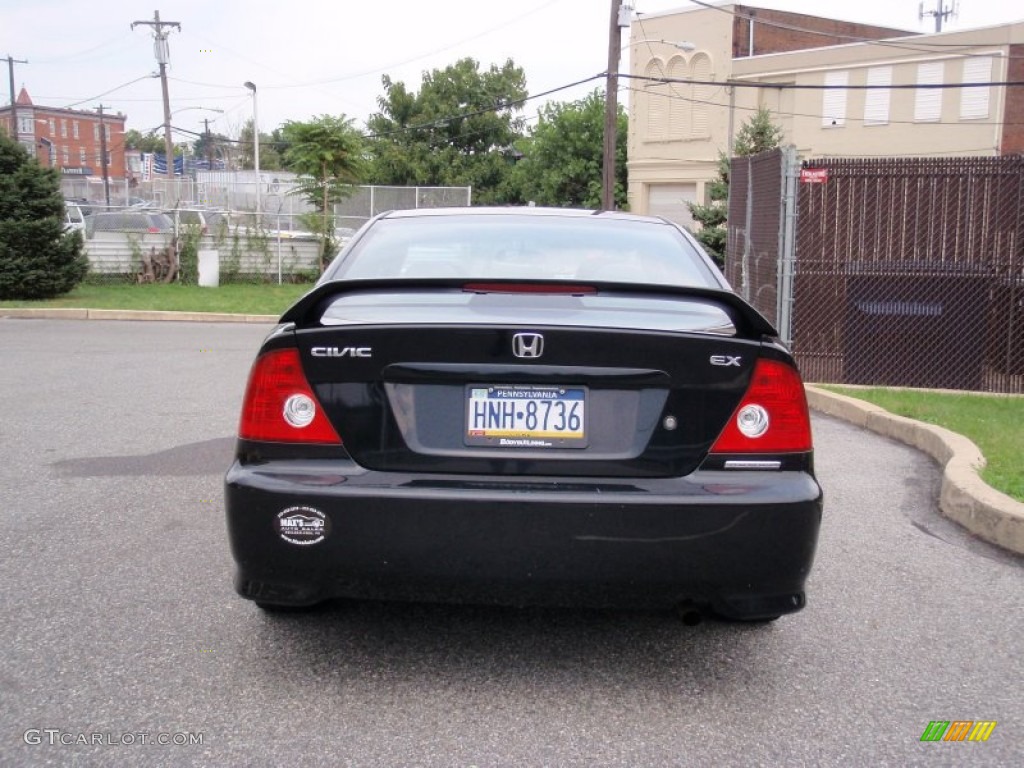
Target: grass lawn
(237, 299)
(995, 424)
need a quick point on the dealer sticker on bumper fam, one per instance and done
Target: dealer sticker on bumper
(302, 525)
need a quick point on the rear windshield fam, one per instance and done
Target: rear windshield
(526, 247)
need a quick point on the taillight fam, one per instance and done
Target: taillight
(772, 417)
(280, 406)
(153, 230)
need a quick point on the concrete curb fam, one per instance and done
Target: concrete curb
(55, 313)
(964, 497)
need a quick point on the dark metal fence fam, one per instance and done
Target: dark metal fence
(908, 272)
(755, 214)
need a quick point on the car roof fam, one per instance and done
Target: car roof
(531, 211)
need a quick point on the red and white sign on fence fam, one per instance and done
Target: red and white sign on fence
(813, 175)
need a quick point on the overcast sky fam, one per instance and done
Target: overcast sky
(310, 57)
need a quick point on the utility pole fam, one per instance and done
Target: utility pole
(103, 158)
(14, 101)
(611, 109)
(940, 13)
(163, 54)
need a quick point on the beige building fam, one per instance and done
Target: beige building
(743, 57)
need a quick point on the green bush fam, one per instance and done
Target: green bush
(188, 256)
(38, 259)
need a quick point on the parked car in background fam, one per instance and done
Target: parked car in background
(135, 220)
(74, 220)
(519, 406)
(205, 220)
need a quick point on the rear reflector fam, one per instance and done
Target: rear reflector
(280, 406)
(772, 417)
(575, 290)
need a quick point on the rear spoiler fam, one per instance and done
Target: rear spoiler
(747, 320)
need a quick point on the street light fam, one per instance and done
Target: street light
(683, 45)
(255, 143)
(208, 109)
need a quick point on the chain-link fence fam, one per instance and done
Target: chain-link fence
(217, 210)
(908, 271)
(756, 204)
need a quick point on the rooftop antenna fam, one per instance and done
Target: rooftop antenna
(942, 11)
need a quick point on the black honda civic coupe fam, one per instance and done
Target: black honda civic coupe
(525, 406)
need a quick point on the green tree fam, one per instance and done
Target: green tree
(149, 142)
(38, 260)
(270, 149)
(329, 156)
(459, 129)
(756, 135)
(213, 146)
(562, 160)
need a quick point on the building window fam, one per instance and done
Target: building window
(657, 102)
(81, 157)
(833, 107)
(53, 128)
(682, 114)
(26, 125)
(701, 69)
(928, 101)
(95, 132)
(876, 99)
(97, 157)
(74, 128)
(63, 129)
(66, 155)
(974, 101)
(679, 102)
(106, 128)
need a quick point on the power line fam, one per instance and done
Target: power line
(418, 57)
(442, 121)
(65, 57)
(116, 88)
(883, 42)
(824, 87)
(924, 124)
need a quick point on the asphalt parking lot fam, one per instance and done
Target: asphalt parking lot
(120, 625)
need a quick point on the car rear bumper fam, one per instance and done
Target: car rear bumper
(739, 544)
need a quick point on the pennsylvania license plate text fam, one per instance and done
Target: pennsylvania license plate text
(526, 416)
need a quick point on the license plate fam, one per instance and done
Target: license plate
(526, 416)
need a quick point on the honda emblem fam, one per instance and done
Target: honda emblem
(528, 345)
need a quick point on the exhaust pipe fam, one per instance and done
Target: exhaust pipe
(690, 614)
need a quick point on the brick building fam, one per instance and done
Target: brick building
(68, 139)
(836, 88)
